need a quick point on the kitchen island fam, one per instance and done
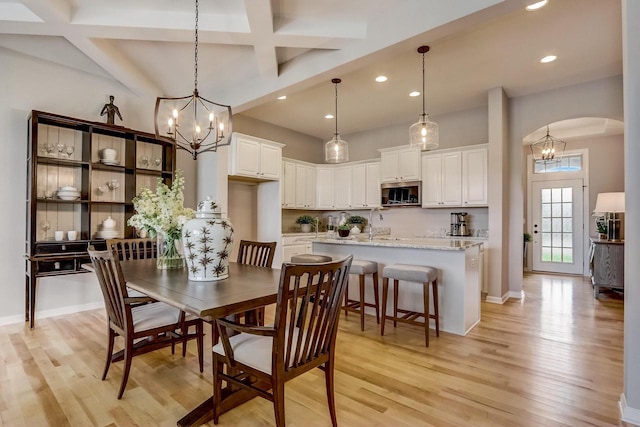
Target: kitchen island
(458, 276)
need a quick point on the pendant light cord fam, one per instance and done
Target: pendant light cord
(195, 72)
(336, 85)
(423, 95)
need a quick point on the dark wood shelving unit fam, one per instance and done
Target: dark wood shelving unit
(65, 151)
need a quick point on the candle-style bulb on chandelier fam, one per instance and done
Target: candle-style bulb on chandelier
(548, 149)
(424, 133)
(336, 150)
(194, 123)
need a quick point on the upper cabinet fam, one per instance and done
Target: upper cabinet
(254, 157)
(288, 185)
(365, 185)
(474, 177)
(452, 178)
(399, 164)
(342, 187)
(305, 186)
(441, 178)
(324, 187)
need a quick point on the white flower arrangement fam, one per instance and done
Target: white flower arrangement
(162, 212)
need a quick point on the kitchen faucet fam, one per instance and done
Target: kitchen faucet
(371, 221)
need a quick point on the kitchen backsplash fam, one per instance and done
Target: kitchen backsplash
(404, 222)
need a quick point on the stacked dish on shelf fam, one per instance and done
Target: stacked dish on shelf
(108, 157)
(68, 193)
(108, 230)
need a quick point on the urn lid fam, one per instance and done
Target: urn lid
(207, 209)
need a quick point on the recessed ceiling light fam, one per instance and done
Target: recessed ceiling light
(414, 93)
(329, 116)
(282, 97)
(381, 79)
(548, 58)
(537, 5)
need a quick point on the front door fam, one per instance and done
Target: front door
(558, 226)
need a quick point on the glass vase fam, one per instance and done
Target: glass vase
(169, 252)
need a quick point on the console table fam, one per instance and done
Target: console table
(606, 262)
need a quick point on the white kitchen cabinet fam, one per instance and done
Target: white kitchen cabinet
(294, 245)
(324, 187)
(288, 185)
(474, 177)
(399, 164)
(305, 186)
(441, 179)
(342, 187)
(365, 185)
(255, 157)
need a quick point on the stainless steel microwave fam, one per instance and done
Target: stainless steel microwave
(401, 193)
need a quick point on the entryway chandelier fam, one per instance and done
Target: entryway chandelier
(547, 149)
(195, 124)
(424, 133)
(336, 150)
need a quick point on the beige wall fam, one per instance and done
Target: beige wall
(298, 145)
(457, 129)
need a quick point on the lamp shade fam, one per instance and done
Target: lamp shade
(609, 202)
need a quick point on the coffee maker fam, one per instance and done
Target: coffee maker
(459, 226)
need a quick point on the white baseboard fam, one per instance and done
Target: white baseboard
(494, 300)
(516, 294)
(628, 414)
(8, 320)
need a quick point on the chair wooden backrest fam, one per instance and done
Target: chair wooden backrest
(256, 253)
(128, 249)
(114, 289)
(310, 296)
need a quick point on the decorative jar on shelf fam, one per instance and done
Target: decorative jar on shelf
(208, 239)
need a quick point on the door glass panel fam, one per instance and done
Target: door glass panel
(556, 219)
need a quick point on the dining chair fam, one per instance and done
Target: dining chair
(259, 254)
(145, 248)
(138, 248)
(261, 359)
(144, 327)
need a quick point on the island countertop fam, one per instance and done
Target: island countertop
(400, 242)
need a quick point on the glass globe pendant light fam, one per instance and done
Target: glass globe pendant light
(424, 133)
(336, 150)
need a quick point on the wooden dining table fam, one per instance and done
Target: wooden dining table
(247, 288)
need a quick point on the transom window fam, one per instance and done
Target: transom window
(570, 163)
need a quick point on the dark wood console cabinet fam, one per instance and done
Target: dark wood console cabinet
(64, 151)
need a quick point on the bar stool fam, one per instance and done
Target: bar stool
(310, 259)
(361, 268)
(411, 273)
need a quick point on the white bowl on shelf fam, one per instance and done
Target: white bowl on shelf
(68, 188)
(108, 154)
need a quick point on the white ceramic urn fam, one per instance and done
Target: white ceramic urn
(207, 241)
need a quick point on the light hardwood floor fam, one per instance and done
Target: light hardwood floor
(552, 359)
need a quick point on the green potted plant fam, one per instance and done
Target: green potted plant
(305, 222)
(358, 220)
(344, 230)
(527, 238)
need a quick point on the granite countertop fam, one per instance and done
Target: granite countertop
(399, 242)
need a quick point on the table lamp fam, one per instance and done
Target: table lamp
(610, 204)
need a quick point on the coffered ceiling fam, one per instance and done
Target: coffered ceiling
(252, 51)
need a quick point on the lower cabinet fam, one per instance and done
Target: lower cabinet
(294, 245)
